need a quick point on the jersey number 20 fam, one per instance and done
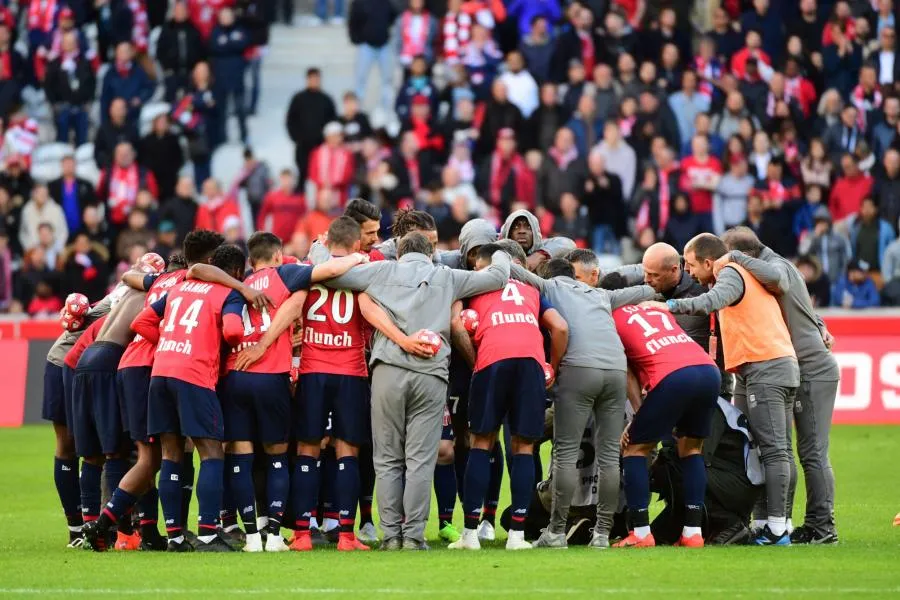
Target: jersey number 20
(340, 317)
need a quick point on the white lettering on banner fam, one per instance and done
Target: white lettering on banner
(173, 346)
(499, 318)
(889, 374)
(341, 340)
(861, 394)
(654, 346)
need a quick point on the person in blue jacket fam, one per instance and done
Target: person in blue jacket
(227, 45)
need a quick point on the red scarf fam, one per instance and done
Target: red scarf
(865, 104)
(563, 160)
(412, 42)
(42, 15)
(587, 51)
(140, 28)
(427, 140)
(123, 189)
(665, 197)
(457, 34)
(501, 169)
(6, 66)
(185, 114)
(123, 69)
(330, 165)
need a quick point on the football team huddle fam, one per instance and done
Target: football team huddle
(389, 369)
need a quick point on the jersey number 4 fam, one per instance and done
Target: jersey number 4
(188, 319)
(339, 316)
(511, 294)
(646, 326)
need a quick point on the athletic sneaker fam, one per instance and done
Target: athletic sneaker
(694, 541)
(76, 540)
(599, 541)
(182, 546)
(448, 532)
(391, 544)
(153, 543)
(317, 537)
(633, 541)
(516, 541)
(368, 534)
(302, 542)
(579, 532)
(808, 535)
(235, 536)
(217, 544)
(252, 543)
(94, 537)
(275, 543)
(347, 542)
(897, 520)
(467, 541)
(549, 539)
(737, 534)
(767, 538)
(486, 532)
(332, 535)
(126, 542)
(412, 544)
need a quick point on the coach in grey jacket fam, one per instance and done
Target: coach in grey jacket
(819, 377)
(591, 380)
(409, 393)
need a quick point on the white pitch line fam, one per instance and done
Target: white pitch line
(491, 592)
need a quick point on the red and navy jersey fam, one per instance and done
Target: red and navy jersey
(139, 352)
(334, 333)
(88, 337)
(655, 344)
(509, 324)
(190, 324)
(278, 283)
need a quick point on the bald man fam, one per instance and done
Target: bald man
(819, 377)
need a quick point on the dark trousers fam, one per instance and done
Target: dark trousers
(232, 98)
(175, 84)
(69, 117)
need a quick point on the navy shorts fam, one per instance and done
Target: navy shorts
(176, 406)
(134, 387)
(256, 407)
(683, 401)
(514, 387)
(54, 407)
(96, 416)
(68, 375)
(345, 397)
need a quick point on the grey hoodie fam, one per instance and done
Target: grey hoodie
(782, 279)
(538, 242)
(417, 294)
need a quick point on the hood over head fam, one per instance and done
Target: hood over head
(537, 242)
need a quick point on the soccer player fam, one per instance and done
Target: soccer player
(757, 347)
(508, 381)
(681, 383)
(182, 400)
(819, 377)
(257, 402)
(57, 408)
(591, 379)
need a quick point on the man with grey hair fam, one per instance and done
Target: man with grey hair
(591, 381)
(819, 377)
(408, 391)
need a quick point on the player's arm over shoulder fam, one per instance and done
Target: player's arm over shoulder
(728, 289)
(630, 295)
(359, 278)
(232, 318)
(146, 324)
(335, 267)
(774, 276)
(471, 283)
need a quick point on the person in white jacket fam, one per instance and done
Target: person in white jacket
(42, 209)
(521, 87)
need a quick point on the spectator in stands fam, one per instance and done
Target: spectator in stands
(605, 204)
(418, 33)
(541, 128)
(84, 268)
(355, 123)
(178, 49)
(499, 114)
(687, 104)
(166, 239)
(730, 198)
(95, 227)
(137, 233)
(816, 168)
(129, 24)
(562, 170)
(573, 221)
(72, 193)
(369, 26)
(112, 132)
(331, 165)
(683, 223)
(125, 80)
(39, 210)
(181, 210)
(804, 218)
(281, 208)
(34, 272)
(482, 59)
(120, 184)
(413, 167)
(537, 48)
(841, 57)
(315, 223)
(160, 152)
(817, 283)
(504, 180)
(215, 207)
(849, 189)
(454, 187)
(886, 190)
(884, 130)
(252, 19)
(70, 87)
(520, 85)
(227, 46)
(310, 111)
(203, 14)
(6, 272)
(586, 125)
(831, 248)
(416, 84)
(620, 158)
(855, 288)
(890, 274)
(255, 180)
(576, 43)
(869, 235)
(321, 10)
(196, 115)
(576, 86)
(10, 219)
(13, 73)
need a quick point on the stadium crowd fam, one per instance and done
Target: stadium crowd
(618, 123)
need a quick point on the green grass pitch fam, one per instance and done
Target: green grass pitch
(35, 563)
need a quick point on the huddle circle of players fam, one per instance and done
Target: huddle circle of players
(265, 376)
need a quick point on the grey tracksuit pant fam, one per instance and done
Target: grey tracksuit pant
(813, 409)
(769, 408)
(582, 392)
(407, 411)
